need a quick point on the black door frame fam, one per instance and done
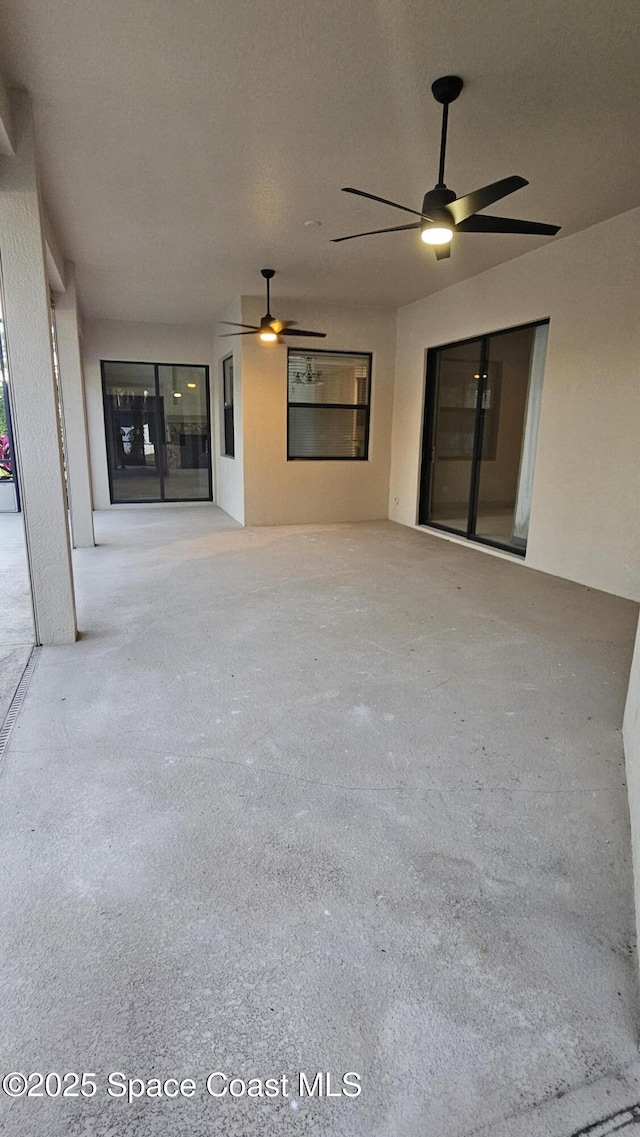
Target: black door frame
(428, 437)
(161, 446)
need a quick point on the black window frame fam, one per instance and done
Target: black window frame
(162, 500)
(228, 412)
(366, 407)
(428, 427)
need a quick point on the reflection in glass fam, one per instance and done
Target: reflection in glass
(456, 393)
(228, 439)
(157, 430)
(183, 400)
(524, 492)
(16, 611)
(506, 385)
(132, 431)
(483, 414)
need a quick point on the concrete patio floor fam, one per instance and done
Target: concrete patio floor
(327, 798)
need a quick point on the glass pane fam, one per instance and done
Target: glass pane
(7, 464)
(132, 431)
(16, 613)
(323, 377)
(184, 403)
(456, 391)
(530, 439)
(228, 441)
(327, 432)
(504, 407)
(227, 367)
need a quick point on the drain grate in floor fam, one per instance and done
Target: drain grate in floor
(17, 701)
(617, 1122)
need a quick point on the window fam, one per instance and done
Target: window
(7, 465)
(228, 441)
(328, 405)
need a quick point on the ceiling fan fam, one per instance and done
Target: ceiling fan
(270, 330)
(444, 214)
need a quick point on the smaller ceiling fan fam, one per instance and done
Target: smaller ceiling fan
(444, 214)
(270, 330)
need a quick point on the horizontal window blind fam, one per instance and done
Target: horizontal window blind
(327, 432)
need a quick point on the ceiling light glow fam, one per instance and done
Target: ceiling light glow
(268, 337)
(177, 394)
(192, 386)
(436, 235)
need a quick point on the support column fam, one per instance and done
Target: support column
(74, 413)
(33, 387)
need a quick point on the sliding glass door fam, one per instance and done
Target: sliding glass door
(158, 432)
(481, 424)
(452, 433)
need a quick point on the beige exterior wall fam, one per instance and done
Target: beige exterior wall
(278, 492)
(229, 472)
(585, 522)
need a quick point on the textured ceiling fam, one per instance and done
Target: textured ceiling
(184, 145)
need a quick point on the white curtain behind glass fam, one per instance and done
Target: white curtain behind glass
(530, 439)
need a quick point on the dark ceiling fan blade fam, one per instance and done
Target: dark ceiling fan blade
(236, 324)
(484, 223)
(302, 332)
(225, 335)
(372, 232)
(384, 200)
(442, 251)
(464, 207)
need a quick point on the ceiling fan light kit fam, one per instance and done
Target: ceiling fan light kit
(437, 234)
(443, 214)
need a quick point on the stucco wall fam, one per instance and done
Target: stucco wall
(140, 343)
(585, 518)
(279, 492)
(229, 471)
(631, 734)
(25, 300)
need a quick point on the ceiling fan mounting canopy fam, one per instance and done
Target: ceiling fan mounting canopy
(443, 213)
(447, 89)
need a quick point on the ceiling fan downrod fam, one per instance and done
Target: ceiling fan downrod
(445, 91)
(268, 274)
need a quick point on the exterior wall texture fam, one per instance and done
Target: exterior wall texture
(585, 519)
(279, 492)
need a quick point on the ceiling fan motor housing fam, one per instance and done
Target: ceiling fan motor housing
(434, 206)
(436, 199)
